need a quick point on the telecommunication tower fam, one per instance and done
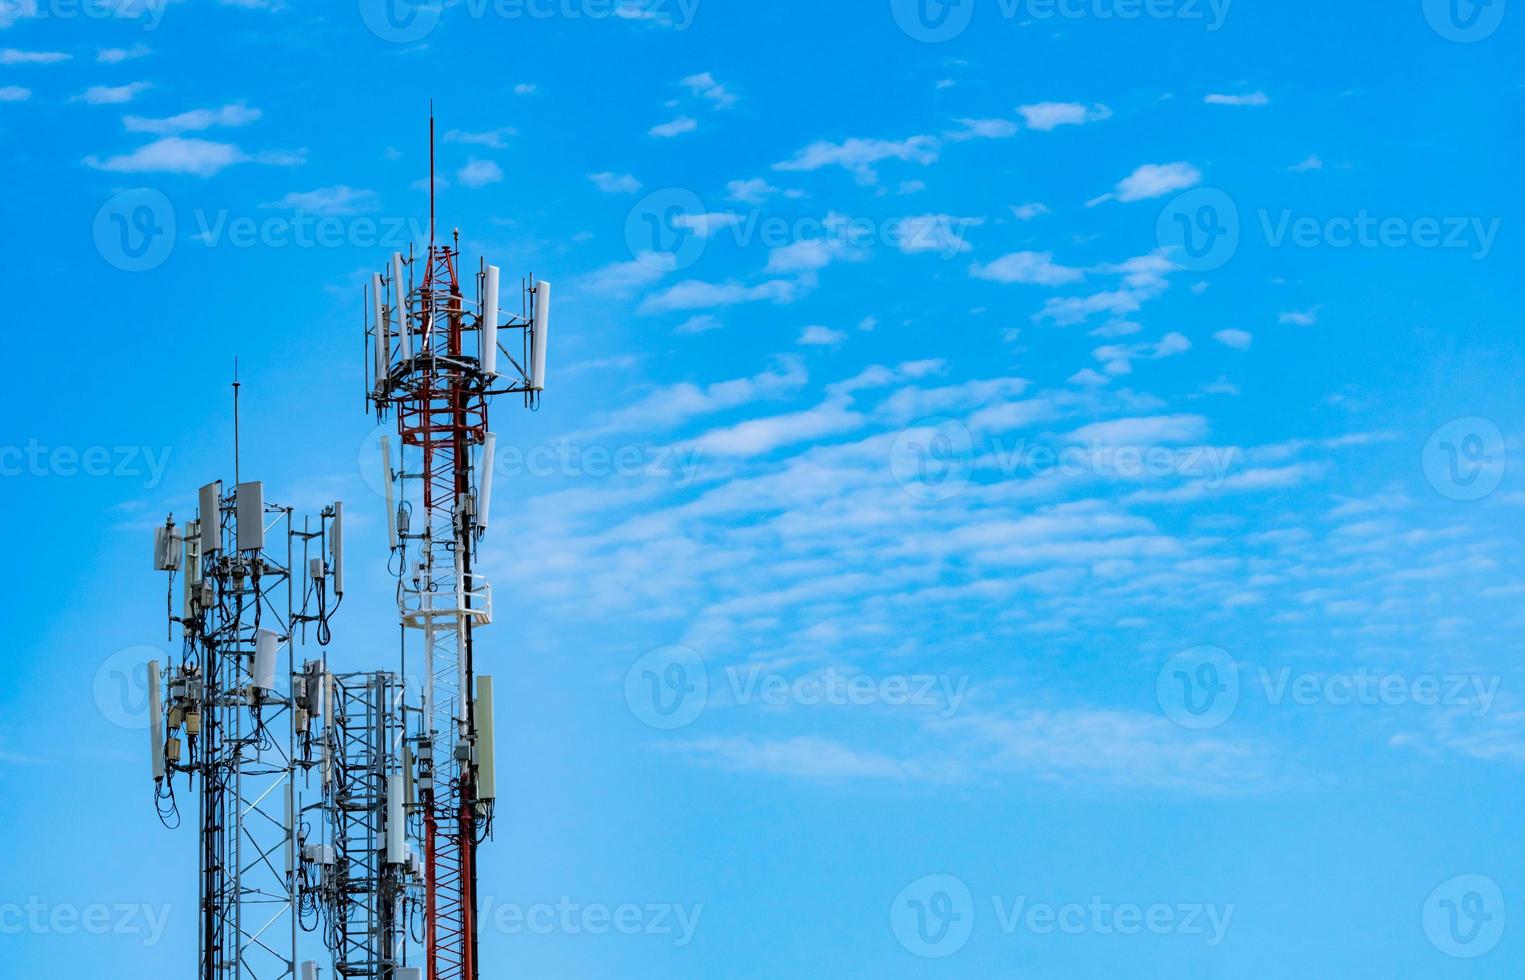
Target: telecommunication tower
(435, 361)
(382, 864)
(229, 713)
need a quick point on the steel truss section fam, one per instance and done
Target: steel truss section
(374, 869)
(248, 902)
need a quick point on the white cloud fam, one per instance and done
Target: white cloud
(1119, 358)
(1142, 431)
(803, 757)
(1301, 318)
(1032, 268)
(113, 56)
(624, 278)
(1248, 99)
(989, 129)
(193, 121)
(1312, 162)
(706, 225)
(693, 294)
(754, 191)
(611, 183)
(1027, 212)
(705, 86)
(756, 437)
(112, 94)
(672, 405)
(329, 201)
(940, 233)
(11, 56)
(1237, 339)
(174, 154)
(495, 139)
(679, 126)
(810, 255)
(859, 156)
(818, 336)
(479, 173)
(1156, 180)
(525, 88)
(14, 93)
(703, 323)
(1045, 116)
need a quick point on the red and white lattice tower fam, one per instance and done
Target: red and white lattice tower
(435, 361)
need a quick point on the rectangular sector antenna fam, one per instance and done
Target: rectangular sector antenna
(336, 548)
(538, 330)
(266, 644)
(211, 518)
(249, 501)
(489, 359)
(400, 309)
(487, 760)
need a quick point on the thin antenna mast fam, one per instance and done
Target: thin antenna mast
(431, 179)
(235, 422)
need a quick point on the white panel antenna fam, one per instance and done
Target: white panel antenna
(487, 763)
(336, 548)
(166, 548)
(489, 320)
(249, 503)
(484, 485)
(400, 307)
(266, 644)
(155, 721)
(397, 824)
(211, 518)
(538, 331)
(386, 479)
(382, 334)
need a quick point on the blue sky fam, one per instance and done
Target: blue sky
(1004, 464)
